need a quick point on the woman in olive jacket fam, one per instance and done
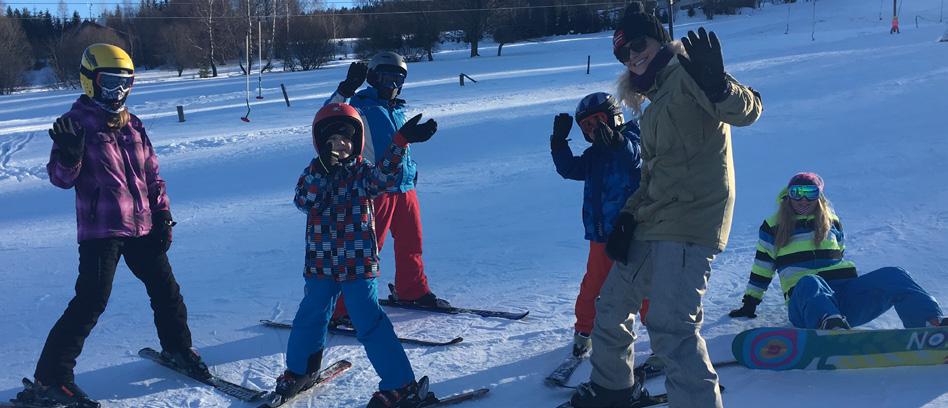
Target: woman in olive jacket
(678, 220)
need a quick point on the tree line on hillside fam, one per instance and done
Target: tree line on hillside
(286, 34)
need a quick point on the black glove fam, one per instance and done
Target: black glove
(617, 246)
(749, 309)
(354, 79)
(705, 64)
(562, 124)
(609, 137)
(161, 224)
(70, 138)
(329, 160)
(415, 133)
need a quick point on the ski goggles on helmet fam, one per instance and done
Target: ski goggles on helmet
(591, 122)
(637, 44)
(390, 80)
(114, 86)
(800, 192)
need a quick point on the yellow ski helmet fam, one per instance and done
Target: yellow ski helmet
(114, 62)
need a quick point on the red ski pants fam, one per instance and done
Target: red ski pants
(597, 269)
(400, 213)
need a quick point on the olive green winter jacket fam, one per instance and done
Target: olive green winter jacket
(687, 188)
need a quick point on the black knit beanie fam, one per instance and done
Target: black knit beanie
(636, 23)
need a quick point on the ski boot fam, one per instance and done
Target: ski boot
(412, 395)
(591, 395)
(431, 300)
(341, 321)
(189, 361)
(834, 322)
(66, 395)
(290, 383)
(581, 344)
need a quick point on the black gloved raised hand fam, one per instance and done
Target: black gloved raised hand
(562, 124)
(705, 64)
(415, 133)
(71, 140)
(609, 137)
(617, 246)
(748, 310)
(354, 79)
(161, 224)
(328, 158)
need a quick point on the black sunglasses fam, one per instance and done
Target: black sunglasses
(637, 44)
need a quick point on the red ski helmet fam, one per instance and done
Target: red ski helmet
(336, 112)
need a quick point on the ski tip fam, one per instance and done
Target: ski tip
(455, 340)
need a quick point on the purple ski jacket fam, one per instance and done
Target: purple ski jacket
(116, 181)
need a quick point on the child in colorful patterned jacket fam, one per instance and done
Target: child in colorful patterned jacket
(336, 191)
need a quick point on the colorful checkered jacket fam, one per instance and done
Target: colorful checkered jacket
(340, 225)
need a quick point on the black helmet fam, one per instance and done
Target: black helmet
(595, 103)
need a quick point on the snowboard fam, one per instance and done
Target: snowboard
(782, 348)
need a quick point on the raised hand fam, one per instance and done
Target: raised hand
(417, 133)
(705, 63)
(562, 124)
(609, 137)
(354, 79)
(70, 138)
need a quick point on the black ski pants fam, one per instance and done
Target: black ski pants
(98, 259)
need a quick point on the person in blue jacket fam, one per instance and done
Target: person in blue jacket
(397, 208)
(611, 169)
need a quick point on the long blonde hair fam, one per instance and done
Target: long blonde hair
(118, 120)
(629, 96)
(787, 220)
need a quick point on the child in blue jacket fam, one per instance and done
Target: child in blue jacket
(611, 169)
(336, 191)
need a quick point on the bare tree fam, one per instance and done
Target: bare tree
(179, 49)
(67, 52)
(310, 45)
(16, 54)
(473, 20)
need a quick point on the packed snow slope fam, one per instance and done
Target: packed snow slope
(864, 108)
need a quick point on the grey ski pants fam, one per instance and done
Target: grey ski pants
(674, 277)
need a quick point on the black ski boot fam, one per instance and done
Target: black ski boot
(67, 395)
(431, 300)
(591, 395)
(834, 322)
(188, 360)
(290, 383)
(341, 321)
(410, 396)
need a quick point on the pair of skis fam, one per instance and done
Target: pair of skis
(393, 301)
(273, 400)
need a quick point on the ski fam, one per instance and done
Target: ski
(564, 371)
(455, 399)
(344, 331)
(650, 401)
(27, 386)
(237, 391)
(393, 301)
(327, 374)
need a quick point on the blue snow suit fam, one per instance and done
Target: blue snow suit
(611, 176)
(382, 119)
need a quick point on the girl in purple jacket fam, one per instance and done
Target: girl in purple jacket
(102, 152)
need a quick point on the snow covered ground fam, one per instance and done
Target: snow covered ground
(863, 108)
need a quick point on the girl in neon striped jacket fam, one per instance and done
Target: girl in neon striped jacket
(803, 244)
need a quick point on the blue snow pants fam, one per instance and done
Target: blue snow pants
(861, 299)
(373, 329)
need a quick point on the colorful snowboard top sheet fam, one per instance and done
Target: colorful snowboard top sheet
(782, 348)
